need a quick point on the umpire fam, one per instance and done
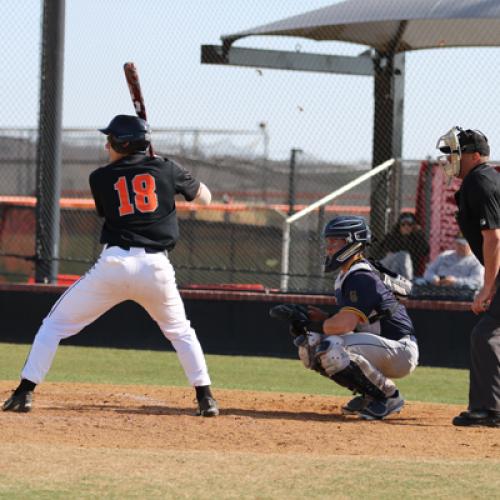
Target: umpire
(478, 200)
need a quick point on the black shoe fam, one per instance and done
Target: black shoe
(21, 402)
(476, 418)
(207, 407)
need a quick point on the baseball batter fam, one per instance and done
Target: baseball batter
(134, 194)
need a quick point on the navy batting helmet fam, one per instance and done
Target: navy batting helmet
(128, 134)
(356, 233)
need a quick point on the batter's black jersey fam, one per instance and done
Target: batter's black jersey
(478, 201)
(135, 195)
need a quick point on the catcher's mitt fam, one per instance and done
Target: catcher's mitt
(296, 315)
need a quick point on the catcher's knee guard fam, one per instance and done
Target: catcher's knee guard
(332, 355)
(307, 350)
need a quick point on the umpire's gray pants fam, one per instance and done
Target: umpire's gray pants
(484, 389)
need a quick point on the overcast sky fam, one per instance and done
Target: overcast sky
(328, 116)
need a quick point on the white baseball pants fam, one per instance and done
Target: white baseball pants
(120, 275)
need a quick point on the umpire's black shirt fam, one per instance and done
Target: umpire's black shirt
(135, 195)
(478, 201)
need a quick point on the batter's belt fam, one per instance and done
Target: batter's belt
(147, 249)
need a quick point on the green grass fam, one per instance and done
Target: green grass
(177, 474)
(120, 366)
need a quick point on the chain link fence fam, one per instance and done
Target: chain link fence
(256, 185)
(237, 239)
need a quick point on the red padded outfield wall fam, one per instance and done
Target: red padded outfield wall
(436, 208)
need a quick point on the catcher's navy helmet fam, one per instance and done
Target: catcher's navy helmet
(128, 134)
(354, 230)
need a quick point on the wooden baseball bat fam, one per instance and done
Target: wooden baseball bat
(132, 77)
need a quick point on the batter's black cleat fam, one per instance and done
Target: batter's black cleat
(20, 403)
(355, 405)
(477, 418)
(207, 407)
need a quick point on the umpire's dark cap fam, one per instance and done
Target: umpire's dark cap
(474, 141)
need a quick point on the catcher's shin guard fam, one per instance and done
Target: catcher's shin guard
(354, 379)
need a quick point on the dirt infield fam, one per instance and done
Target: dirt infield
(87, 415)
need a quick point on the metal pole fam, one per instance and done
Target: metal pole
(265, 158)
(387, 136)
(335, 194)
(291, 181)
(265, 135)
(48, 190)
(285, 245)
(196, 144)
(285, 254)
(285, 242)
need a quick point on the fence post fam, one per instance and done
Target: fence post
(48, 190)
(395, 193)
(285, 255)
(387, 131)
(265, 160)
(291, 181)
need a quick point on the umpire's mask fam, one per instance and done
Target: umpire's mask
(449, 144)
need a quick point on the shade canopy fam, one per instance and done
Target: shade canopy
(393, 25)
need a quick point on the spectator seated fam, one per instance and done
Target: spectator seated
(404, 249)
(453, 275)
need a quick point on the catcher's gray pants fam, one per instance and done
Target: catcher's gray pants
(380, 359)
(393, 358)
(484, 389)
(120, 275)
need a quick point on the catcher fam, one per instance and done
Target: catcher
(371, 339)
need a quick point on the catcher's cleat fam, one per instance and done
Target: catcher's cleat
(20, 403)
(381, 408)
(355, 405)
(207, 407)
(477, 418)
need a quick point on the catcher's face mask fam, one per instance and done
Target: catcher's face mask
(345, 236)
(339, 251)
(449, 144)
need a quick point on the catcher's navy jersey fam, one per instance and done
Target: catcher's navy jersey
(361, 291)
(135, 195)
